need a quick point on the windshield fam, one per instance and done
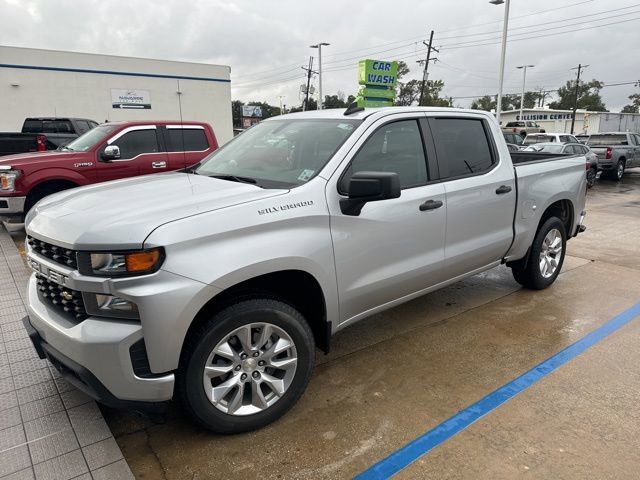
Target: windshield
(531, 139)
(88, 140)
(605, 140)
(279, 153)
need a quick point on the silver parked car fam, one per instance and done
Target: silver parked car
(570, 149)
(215, 285)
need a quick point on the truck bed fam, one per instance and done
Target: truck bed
(543, 178)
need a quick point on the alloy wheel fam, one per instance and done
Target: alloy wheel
(250, 369)
(550, 253)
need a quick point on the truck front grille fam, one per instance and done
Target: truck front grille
(60, 255)
(62, 298)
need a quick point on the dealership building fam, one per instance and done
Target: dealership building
(586, 122)
(49, 83)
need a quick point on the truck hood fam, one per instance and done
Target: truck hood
(122, 213)
(20, 159)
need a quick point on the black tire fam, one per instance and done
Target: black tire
(201, 343)
(529, 275)
(591, 177)
(618, 172)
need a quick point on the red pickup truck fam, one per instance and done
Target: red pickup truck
(108, 152)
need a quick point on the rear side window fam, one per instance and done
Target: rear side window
(595, 140)
(82, 127)
(395, 147)
(462, 146)
(136, 143)
(187, 139)
(32, 126)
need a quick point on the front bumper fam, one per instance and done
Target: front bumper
(12, 208)
(94, 354)
(82, 378)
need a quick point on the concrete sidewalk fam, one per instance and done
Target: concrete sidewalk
(48, 429)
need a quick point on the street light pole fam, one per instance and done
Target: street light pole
(319, 47)
(281, 97)
(524, 80)
(505, 27)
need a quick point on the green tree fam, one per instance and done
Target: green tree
(408, 93)
(487, 103)
(236, 113)
(588, 96)
(634, 106)
(431, 97)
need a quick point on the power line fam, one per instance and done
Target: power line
(411, 40)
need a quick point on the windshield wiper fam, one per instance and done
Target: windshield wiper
(235, 178)
(66, 148)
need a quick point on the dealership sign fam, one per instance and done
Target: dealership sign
(135, 99)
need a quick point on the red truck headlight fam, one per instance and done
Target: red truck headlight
(8, 180)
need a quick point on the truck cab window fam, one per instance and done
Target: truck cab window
(462, 146)
(186, 140)
(395, 147)
(137, 142)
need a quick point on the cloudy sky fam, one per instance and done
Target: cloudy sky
(267, 41)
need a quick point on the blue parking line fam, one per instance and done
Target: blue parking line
(461, 420)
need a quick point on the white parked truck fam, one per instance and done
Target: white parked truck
(216, 284)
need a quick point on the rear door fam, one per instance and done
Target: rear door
(480, 193)
(186, 145)
(140, 152)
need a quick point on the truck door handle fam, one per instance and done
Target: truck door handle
(430, 205)
(158, 164)
(503, 189)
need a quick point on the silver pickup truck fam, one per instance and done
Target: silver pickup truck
(616, 151)
(216, 284)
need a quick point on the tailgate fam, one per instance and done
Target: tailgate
(599, 151)
(12, 143)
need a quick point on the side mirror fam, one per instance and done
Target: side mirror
(112, 152)
(369, 187)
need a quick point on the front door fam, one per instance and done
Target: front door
(140, 153)
(394, 247)
(480, 193)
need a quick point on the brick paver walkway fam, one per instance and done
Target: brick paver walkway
(48, 429)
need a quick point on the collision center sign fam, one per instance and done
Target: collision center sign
(135, 99)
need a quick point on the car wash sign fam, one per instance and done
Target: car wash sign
(132, 99)
(377, 79)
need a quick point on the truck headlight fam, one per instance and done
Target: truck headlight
(8, 180)
(131, 263)
(103, 305)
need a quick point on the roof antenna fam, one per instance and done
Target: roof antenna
(353, 108)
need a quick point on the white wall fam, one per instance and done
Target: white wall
(42, 92)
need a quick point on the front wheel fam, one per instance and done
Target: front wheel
(246, 366)
(546, 256)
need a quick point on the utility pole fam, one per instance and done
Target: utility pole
(425, 74)
(524, 79)
(580, 67)
(281, 97)
(319, 47)
(505, 29)
(306, 93)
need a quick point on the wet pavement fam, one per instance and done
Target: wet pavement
(394, 376)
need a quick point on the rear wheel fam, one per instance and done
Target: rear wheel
(591, 177)
(546, 257)
(246, 366)
(618, 173)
